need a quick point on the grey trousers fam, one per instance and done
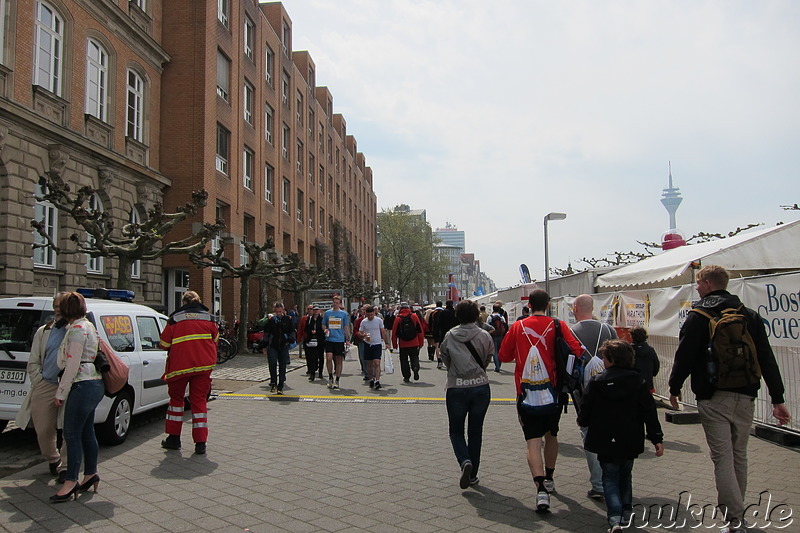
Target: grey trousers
(726, 420)
(44, 415)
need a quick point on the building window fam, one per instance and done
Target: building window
(141, 4)
(223, 75)
(94, 265)
(96, 80)
(3, 21)
(286, 38)
(223, 12)
(311, 167)
(249, 94)
(321, 180)
(48, 47)
(285, 196)
(135, 106)
(269, 70)
(299, 110)
(285, 83)
(244, 257)
(311, 122)
(249, 37)
(299, 206)
(321, 221)
(312, 208)
(287, 133)
(269, 182)
(300, 157)
(45, 212)
(136, 266)
(269, 122)
(223, 148)
(247, 170)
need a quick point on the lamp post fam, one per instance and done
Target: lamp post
(549, 216)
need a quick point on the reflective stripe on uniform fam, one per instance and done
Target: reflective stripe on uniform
(175, 418)
(199, 424)
(199, 415)
(189, 371)
(193, 337)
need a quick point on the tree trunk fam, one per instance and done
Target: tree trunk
(124, 274)
(244, 319)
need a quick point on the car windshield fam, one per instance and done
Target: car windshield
(18, 325)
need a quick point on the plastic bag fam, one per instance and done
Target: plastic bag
(388, 365)
(350, 353)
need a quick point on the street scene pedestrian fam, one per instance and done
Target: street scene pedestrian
(530, 344)
(500, 324)
(409, 336)
(646, 359)
(726, 373)
(592, 334)
(190, 338)
(336, 324)
(313, 338)
(443, 321)
(373, 334)
(81, 388)
(280, 334)
(466, 351)
(617, 408)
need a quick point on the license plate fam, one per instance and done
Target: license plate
(12, 376)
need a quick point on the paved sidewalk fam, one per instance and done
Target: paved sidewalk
(359, 460)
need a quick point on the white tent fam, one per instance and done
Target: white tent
(758, 251)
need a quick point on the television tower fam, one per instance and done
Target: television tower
(671, 199)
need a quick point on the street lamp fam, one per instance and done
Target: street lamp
(549, 216)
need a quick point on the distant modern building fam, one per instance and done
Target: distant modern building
(452, 236)
(671, 200)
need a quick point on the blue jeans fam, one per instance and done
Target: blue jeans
(278, 359)
(617, 489)
(79, 426)
(472, 402)
(595, 472)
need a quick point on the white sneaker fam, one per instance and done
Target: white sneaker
(549, 485)
(542, 502)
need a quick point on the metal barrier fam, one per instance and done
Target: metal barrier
(788, 361)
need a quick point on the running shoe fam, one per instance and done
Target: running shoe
(549, 485)
(336, 384)
(377, 385)
(372, 384)
(330, 383)
(466, 473)
(416, 375)
(542, 502)
(273, 388)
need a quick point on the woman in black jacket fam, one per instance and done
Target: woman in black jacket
(617, 406)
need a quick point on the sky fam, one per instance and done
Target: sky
(491, 114)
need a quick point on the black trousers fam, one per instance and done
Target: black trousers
(315, 358)
(405, 355)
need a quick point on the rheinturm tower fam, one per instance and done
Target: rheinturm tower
(671, 199)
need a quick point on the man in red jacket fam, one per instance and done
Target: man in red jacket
(410, 338)
(518, 345)
(190, 339)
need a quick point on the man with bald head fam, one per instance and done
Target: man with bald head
(592, 334)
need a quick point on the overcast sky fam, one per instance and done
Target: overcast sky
(490, 114)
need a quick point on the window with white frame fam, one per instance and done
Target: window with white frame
(45, 212)
(287, 133)
(311, 122)
(249, 36)
(311, 168)
(321, 181)
(135, 106)
(300, 206)
(299, 110)
(223, 148)
(285, 196)
(312, 208)
(244, 257)
(96, 80)
(285, 83)
(321, 221)
(223, 12)
(94, 265)
(269, 64)
(269, 182)
(286, 37)
(300, 157)
(141, 4)
(249, 95)
(223, 75)
(136, 266)
(269, 122)
(247, 168)
(48, 47)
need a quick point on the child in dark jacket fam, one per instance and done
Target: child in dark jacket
(616, 407)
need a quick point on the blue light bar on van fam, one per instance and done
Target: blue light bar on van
(107, 294)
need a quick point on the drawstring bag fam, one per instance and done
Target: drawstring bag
(538, 394)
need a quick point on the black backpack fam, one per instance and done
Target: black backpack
(569, 370)
(407, 330)
(500, 326)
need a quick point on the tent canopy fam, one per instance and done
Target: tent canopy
(762, 249)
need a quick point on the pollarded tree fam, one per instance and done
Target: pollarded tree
(143, 241)
(287, 273)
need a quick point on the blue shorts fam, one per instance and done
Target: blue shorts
(372, 352)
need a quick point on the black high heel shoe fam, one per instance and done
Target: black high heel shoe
(92, 481)
(55, 498)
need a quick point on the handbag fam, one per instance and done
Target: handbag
(112, 369)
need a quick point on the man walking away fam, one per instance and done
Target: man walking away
(500, 325)
(592, 334)
(408, 334)
(445, 321)
(725, 381)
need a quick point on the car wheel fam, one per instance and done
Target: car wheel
(115, 429)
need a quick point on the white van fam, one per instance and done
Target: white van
(132, 330)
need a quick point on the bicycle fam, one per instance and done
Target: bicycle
(227, 345)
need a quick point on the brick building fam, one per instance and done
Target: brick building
(149, 101)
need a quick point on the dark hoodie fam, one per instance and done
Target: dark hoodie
(692, 355)
(617, 406)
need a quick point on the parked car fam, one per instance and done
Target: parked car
(132, 330)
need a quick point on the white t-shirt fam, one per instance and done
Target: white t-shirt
(373, 327)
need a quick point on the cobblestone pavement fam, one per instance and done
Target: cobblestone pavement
(360, 460)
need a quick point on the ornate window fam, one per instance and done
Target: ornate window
(48, 48)
(135, 106)
(96, 80)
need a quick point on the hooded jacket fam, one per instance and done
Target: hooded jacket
(462, 368)
(617, 406)
(692, 355)
(416, 342)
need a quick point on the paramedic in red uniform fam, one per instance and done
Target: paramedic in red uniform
(190, 339)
